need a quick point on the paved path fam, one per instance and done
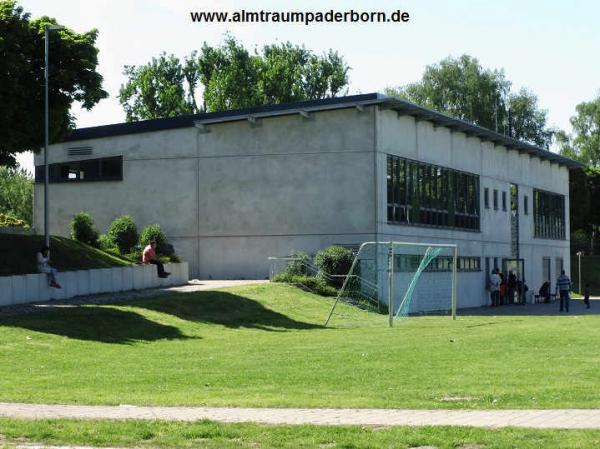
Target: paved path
(541, 419)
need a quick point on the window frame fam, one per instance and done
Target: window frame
(434, 196)
(76, 168)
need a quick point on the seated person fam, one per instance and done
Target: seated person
(43, 262)
(149, 256)
(545, 291)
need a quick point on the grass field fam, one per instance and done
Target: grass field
(264, 345)
(19, 255)
(223, 436)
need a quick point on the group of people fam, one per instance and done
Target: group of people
(148, 256)
(506, 291)
(503, 292)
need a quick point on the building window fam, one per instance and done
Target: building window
(503, 200)
(429, 195)
(548, 215)
(546, 269)
(89, 170)
(410, 262)
(526, 205)
(495, 199)
(486, 198)
(559, 265)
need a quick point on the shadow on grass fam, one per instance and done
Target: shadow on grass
(226, 309)
(95, 323)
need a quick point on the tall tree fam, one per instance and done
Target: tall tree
(158, 89)
(584, 143)
(462, 88)
(73, 77)
(231, 77)
(16, 193)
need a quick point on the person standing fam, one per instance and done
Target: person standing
(512, 287)
(149, 256)
(502, 294)
(586, 295)
(495, 287)
(563, 287)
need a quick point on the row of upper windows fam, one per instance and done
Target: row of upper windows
(486, 200)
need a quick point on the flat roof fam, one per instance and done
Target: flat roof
(400, 106)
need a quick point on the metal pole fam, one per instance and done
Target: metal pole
(391, 284)
(47, 30)
(454, 268)
(46, 231)
(579, 263)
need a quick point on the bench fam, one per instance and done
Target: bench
(538, 299)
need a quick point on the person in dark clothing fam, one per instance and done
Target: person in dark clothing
(545, 292)
(586, 295)
(512, 287)
(563, 287)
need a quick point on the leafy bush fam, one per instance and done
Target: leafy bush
(83, 229)
(298, 267)
(123, 232)
(154, 233)
(105, 243)
(10, 221)
(335, 260)
(315, 284)
(135, 255)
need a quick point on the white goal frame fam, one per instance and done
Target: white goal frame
(391, 245)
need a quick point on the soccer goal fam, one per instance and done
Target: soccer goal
(401, 279)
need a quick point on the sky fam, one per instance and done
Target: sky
(550, 47)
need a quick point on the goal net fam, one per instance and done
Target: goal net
(399, 279)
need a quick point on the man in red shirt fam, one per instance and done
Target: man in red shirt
(149, 256)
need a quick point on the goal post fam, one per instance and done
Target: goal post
(405, 278)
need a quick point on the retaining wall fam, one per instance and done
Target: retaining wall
(34, 287)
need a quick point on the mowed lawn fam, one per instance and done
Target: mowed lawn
(205, 434)
(264, 345)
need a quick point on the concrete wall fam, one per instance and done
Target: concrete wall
(34, 287)
(497, 167)
(229, 198)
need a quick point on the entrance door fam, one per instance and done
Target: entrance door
(517, 266)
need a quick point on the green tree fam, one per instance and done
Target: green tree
(231, 77)
(73, 77)
(584, 143)
(462, 88)
(158, 89)
(16, 193)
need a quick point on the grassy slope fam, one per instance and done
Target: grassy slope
(590, 272)
(222, 436)
(19, 255)
(263, 346)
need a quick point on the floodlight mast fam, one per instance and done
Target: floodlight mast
(47, 30)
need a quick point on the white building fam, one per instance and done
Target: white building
(232, 188)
